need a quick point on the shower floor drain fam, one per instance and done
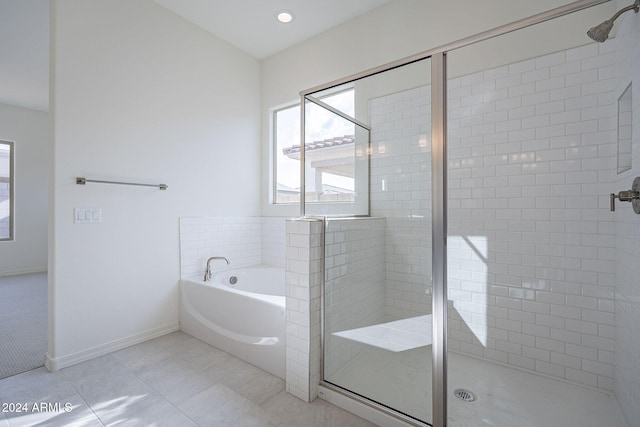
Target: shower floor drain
(465, 395)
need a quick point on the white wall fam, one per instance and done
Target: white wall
(28, 129)
(397, 30)
(627, 229)
(139, 94)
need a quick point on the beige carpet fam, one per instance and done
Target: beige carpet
(23, 323)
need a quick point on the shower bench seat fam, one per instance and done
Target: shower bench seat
(396, 336)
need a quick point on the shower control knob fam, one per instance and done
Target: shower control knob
(632, 196)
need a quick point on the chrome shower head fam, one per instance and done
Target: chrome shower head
(601, 32)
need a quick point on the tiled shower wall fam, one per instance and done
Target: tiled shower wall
(272, 241)
(242, 240)
(531, 239)
(354, 284)
(627, 230)
(531, 165)
(401, 193)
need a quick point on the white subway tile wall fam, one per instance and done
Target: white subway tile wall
(354, 285)
(627, 236)
(531, 239)
(401, 193)
(531, 163)
(273, 244)
(242, 240)
(303, 277)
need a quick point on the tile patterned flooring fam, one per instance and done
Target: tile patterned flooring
(174, 380)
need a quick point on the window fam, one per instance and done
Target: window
(334, 178)
(6, 190)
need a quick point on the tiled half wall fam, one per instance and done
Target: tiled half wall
(243, 240)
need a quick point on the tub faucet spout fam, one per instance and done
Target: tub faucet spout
(207, 273)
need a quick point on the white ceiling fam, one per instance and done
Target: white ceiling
(248, 24)
(251, 25)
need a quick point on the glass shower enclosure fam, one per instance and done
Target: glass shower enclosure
(457, 217)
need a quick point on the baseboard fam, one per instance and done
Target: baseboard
(20, 272)
(54, 364)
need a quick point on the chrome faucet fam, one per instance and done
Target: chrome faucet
(207, 273)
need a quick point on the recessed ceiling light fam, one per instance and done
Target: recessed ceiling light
(284, 16)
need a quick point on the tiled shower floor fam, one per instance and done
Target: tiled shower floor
(505, 397)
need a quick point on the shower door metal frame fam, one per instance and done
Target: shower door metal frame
(439, 182)
(439, 308)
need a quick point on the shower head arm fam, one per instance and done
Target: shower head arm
(600, 32)
(635, 7)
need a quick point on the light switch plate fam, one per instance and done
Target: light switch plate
(87, 215)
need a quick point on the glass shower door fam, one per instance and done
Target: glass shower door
(531, 158)
(377, 285)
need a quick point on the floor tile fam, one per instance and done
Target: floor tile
(210, 359)
(141, 355)
(247, 380)
(102, 366)
(37, 385)
(181, 345)
(259, 387)
(175, 379)
(220, 406)
(228, 371)
(192, 348)
(114, 396)
(173, 418)
(77, 413)
(150, 410)
(294, 412)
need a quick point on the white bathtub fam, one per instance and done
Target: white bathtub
(245, 319)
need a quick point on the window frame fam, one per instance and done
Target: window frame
(273, 196)
(274, 154)
(12, 155)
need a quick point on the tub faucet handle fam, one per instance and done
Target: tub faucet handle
(207, 272)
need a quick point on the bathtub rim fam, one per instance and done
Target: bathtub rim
(276, 300)
(277, 288)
